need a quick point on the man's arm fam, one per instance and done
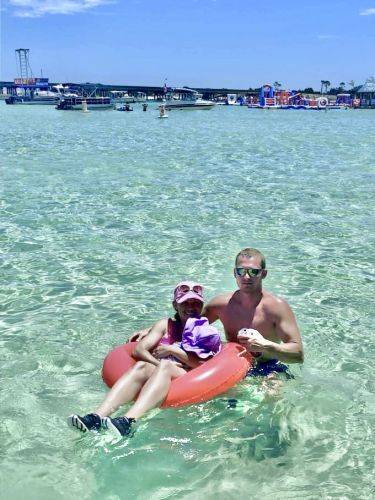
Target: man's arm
(291, 349)
(286, 328)
(212, 308)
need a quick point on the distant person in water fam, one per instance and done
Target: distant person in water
(256, 318)
(162, 111)
(144, 106)
(172, 347)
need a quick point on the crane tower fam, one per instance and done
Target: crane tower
(25, 71)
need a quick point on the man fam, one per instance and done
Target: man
(263, 323)
(257, 319)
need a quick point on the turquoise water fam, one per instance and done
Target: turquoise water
(102, 213)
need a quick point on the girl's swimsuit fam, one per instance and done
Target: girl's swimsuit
(173, 333)
(172, 336)
(197, 336)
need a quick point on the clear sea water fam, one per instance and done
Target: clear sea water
(102, 213)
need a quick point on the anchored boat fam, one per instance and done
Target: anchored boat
(35, 97)
(78, 103)
(183, 98)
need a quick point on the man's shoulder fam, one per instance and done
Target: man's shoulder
(220, 300)
(274, 304)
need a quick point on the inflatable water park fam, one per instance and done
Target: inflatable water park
(270, 98)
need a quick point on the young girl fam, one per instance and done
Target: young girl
(173, 346)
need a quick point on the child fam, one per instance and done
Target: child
(173, 346)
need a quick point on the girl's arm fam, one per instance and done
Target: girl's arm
(147, 344)
(189, 359)
(139, 334)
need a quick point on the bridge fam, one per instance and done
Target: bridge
(154, 91)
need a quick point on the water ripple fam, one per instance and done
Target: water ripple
(103, 213)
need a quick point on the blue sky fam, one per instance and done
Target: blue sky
(215, 43)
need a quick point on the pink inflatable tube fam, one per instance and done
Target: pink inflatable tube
(208, 380)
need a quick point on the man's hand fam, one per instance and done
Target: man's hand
(253, 340)
(139, 335)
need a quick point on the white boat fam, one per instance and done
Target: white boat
(39, 96)
(35, 97)
(231, 99)
(80, 103)
(64, 91)
(140, 97)
(121, 97)
(183, 98)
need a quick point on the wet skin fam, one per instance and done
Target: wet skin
(252, 307)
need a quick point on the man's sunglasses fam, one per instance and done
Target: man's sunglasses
(250, 271)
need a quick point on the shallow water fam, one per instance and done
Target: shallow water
(102, 213)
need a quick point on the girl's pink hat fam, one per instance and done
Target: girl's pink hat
(186, 290)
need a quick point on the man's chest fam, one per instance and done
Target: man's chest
(234, 318)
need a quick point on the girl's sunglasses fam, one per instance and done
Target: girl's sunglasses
(250, 271)
(186, 288)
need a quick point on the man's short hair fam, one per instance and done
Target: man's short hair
(252, 252)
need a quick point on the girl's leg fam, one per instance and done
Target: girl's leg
(126, 388)
(155, 390)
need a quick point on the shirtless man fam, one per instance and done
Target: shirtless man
(257, 319)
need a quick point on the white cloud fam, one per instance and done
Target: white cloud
(368, 12)
(39, 8)
(327, 37)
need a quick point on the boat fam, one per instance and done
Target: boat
(51, 96)
(121, 97)
(124, 108)
(140, 97)
(65, 91)
(231, 99)
(37, 97)
(184, 98)
(28, 89)
(77, 103)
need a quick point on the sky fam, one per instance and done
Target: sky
(196, 43)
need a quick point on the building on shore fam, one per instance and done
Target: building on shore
(366, 94)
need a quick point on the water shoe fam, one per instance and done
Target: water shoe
(120, 426)
(90, 422)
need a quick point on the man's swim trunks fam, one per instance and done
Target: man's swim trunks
(264, 368)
